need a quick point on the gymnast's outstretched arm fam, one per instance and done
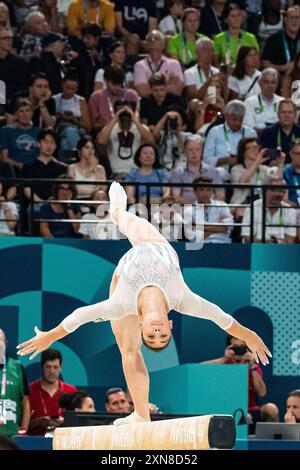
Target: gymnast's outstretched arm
(194, 305)
(80, 316)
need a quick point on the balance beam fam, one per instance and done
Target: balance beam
(194, 433)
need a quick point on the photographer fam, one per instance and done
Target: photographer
(123, 135)
(236, 352)
(170, 136)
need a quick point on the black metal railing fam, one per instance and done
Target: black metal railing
(28, 217)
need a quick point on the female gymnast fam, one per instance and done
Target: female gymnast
(145, 286)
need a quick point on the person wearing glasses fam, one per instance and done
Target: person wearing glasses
(156, 62)
(13, 68)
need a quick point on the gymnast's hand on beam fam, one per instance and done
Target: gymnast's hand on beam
(39, 343)
(258, 348)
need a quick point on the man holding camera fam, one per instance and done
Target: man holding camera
(284, 132)
(236, 352)
(122, 136)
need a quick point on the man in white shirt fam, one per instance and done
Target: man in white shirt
(8, 217)
(197, 77)
(280, 217)
(210, 211)
(261, 109)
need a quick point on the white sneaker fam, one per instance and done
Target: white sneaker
(117, 199)
(133, 418)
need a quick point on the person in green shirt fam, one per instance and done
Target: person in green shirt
(228, 42)
(14, 391)
(182, 45)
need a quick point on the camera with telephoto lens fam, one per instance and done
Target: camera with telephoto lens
(124, 115)
(240, 350)
(173, 123)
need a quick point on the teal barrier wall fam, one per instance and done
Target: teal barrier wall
(44, 280)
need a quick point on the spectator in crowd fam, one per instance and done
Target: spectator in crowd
(13, 68)
(251, 168)
(244, 81)
(261, 109)
(197, 78)
(102, 102)
(292, 414)
(281, 47)
(79, 401)
(87, 169)
(155, 106)
(44, 167)
(236, 352)
(57, 210)
(292, 173)
(228, 42)
(116, 401)
(291, 76)
(73, 118)
(156, 62)
(270, 21)
(7, 189)
(194, 168)
(51, 60)
(41, 99)
(19, 141)
(45, 392)
(168, 219)
(49, 8)
(123, 135)
(8, 217)
(153, 409)
(222, 140)
(90, 56)
(35, 27)
(182, 45)
(280, 218)
(198, 219)
(283, 134)
(202, 115)
(100, 12)
(171, 23)
(212, 18)
(117, 55)
(169, 136)
(148, 170)
(102, 228)
(15, 409)
(135, 19)
(22, 8)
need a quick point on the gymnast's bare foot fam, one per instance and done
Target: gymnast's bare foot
(133, 418)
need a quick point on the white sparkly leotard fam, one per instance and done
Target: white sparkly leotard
(148, 264)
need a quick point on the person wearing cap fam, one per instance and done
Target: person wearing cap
(49, 62)
(100, 12)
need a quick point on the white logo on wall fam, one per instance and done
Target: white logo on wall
(2, 92)
(296, 352)
(296, 92)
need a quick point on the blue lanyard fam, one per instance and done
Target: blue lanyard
(185, 51)
(286, 47)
